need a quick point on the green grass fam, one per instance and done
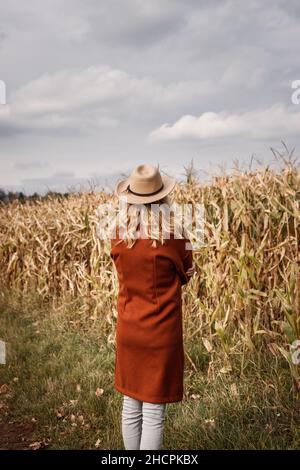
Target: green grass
(59, 365)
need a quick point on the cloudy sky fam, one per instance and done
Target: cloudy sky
(95, 87)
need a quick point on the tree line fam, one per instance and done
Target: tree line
(9, 196)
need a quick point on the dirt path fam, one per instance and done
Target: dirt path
(14, 435)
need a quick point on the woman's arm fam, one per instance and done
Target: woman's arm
(185, 266)
(188, 262)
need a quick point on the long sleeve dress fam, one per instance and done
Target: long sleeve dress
(149, 360)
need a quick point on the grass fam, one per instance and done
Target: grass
(56, 372)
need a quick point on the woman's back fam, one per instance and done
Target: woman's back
(147, 273)
(149, 324)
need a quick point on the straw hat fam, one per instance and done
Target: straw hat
(145, 184)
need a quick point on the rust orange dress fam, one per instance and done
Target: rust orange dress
(149, 360)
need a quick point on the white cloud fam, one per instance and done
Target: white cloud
(73, 98)
(276, 121)
(91, 98)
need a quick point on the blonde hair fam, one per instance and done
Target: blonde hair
(158, 224)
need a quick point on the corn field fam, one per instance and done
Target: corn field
(246, 290)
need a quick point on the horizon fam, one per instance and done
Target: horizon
(106, 183)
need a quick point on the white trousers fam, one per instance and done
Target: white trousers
(142, 424)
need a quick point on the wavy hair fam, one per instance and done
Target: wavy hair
(156, 221)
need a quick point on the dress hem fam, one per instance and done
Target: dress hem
(137, 396)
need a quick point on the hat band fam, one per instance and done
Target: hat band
(144, 194)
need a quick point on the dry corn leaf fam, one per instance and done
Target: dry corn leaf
(226, 369)
(99, 392)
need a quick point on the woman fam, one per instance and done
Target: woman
(152, 265)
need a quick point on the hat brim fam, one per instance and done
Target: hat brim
(121, 191)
